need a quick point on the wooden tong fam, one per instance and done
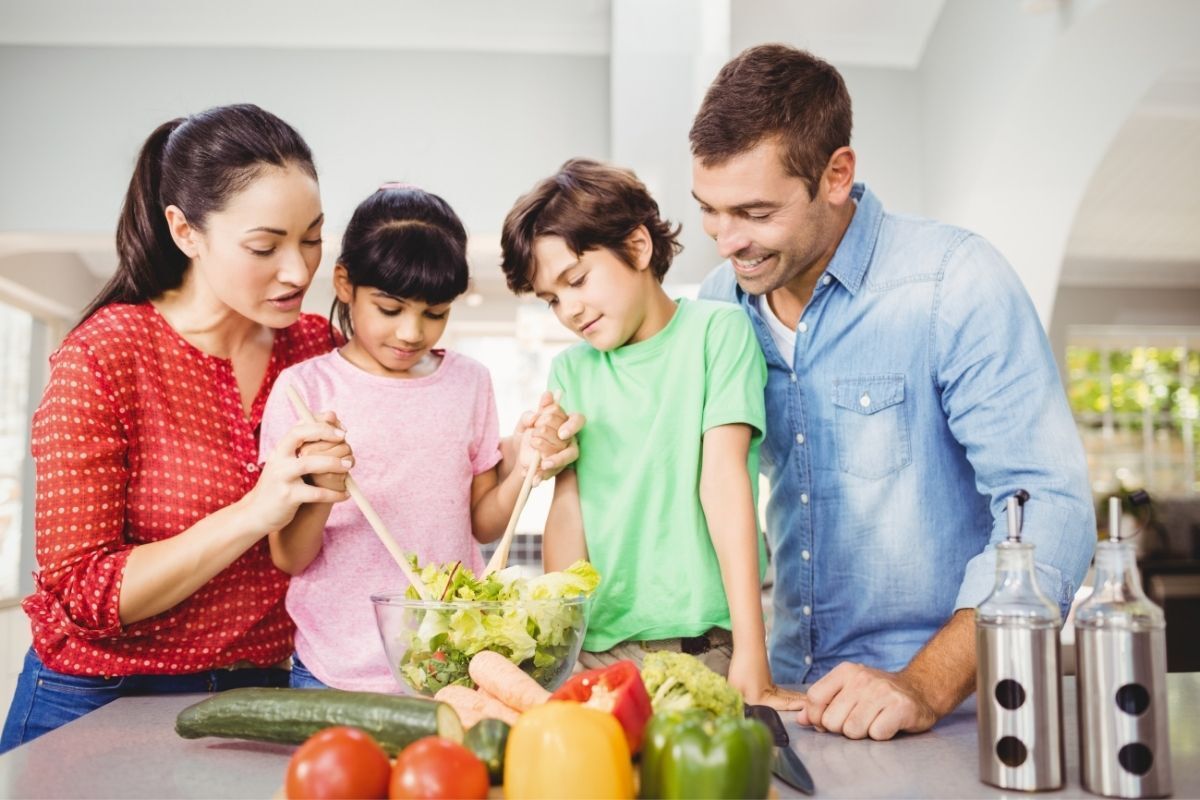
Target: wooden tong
(364, 505)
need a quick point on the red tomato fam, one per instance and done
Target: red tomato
(338, 763)
(434, 768)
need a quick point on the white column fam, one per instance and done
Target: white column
(664, 54)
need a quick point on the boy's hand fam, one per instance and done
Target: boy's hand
(327, 480)
(549, 433)
(751, 676)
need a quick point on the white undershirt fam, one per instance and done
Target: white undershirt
(785, 337)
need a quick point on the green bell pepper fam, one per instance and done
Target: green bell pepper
(694, 754)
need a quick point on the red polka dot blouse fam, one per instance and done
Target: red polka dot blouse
(139, 436)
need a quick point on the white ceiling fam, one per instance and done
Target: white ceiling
(879, 33)
(865, 33)
(527, 26)
(1139, 223)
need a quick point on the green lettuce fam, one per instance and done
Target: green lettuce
(541, 637)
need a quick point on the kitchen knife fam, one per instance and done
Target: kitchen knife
(785, 764)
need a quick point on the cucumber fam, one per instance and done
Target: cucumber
(487, 740)
(290, 716)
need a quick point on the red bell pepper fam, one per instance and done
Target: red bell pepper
(617, 689)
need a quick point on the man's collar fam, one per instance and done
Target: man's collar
(853, 255)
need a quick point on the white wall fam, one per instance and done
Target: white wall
(888, 135)
(477, 128)
(1020, 109)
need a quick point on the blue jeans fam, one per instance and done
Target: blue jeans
(302, 678)
(46, 699)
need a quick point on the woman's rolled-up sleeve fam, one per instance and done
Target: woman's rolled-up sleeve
(80, 444)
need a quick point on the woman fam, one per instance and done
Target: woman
(152, 509)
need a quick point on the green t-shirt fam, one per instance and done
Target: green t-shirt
(648, 406)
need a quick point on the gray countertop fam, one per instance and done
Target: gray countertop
(129, 749)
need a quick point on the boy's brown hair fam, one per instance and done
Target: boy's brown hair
(773, 90)
(589, 205)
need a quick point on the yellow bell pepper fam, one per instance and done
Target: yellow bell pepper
(567, 751)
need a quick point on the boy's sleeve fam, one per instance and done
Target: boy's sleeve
(559, 380)
(735, 373)
(485, 444)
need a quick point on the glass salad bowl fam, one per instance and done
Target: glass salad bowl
(429, 643)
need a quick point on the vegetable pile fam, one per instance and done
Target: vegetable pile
(679, 682)
(527, 626)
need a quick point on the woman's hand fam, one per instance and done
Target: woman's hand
(328, 480)
(281, 488)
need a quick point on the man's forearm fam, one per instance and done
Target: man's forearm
(944, 670)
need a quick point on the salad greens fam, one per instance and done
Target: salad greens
(529, 628)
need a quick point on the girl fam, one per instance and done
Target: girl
(422, 422)
(152, 503)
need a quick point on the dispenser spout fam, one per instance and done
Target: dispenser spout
(1114, 519)
(1013, 508)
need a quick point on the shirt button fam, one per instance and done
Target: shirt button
(802, 327)
(865, 400)
(793, 376)
(805, 555)
(799, 438)
(807, 611)
(808, 659)
(827, 280)
(251, 467)
(804, 499)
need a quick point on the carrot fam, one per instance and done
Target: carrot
(471, 703)
(505, 681)
(464, 701)
(493, 706)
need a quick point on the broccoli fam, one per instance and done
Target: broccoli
(678, 681)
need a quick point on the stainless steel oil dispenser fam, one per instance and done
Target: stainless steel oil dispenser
(1122, 677)
(1018, 679)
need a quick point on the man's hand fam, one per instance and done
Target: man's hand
(857, 702)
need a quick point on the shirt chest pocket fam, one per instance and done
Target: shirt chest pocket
(871, 425)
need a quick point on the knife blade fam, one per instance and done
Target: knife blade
(785, 764)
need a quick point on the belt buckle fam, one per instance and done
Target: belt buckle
(694, 645)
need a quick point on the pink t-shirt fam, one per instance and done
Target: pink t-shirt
(418, 443)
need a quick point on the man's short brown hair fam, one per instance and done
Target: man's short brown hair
(589, 205)
(773, 90)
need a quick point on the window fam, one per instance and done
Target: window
(1135, 394)
(16, 333)
(518, 355)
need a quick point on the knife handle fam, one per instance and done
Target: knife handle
(769, 717)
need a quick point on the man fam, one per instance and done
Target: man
(911, 390)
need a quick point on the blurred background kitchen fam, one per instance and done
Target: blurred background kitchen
(1066, 131)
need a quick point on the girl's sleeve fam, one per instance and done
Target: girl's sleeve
(278, 415)
(79, 443)
(485, 442)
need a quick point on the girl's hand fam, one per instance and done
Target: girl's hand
(281, 489)
(328, 480)
(550, 433)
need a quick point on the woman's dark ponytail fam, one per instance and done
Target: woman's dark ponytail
(148, 263)
(196, 163)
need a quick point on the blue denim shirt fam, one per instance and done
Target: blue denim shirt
(924, 394)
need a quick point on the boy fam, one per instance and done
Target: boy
(661, 498)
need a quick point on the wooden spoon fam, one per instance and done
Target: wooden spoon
(499, 558)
